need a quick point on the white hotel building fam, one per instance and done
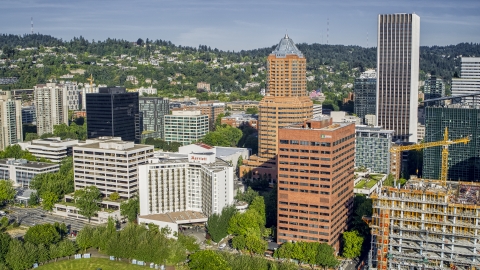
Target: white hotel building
(195, 184)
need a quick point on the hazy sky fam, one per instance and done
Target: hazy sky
(239, 24)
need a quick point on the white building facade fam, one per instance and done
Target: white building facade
(21, 171)
(194, 182)
(53, 149)
(11, 129)
(51, 105)
(110, 164)
(469, 81)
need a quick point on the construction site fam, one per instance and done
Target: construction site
(426, 224)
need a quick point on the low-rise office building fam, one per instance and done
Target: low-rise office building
(21, 171)
(53, 149)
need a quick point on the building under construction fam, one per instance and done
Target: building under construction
(426, 225)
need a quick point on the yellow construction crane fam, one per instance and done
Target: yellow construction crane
(91, 81)
(445, 143)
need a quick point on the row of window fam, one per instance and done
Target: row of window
(305, 151)
(306, 143)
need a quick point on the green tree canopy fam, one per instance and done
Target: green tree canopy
(217, 224)
(87, 200)
(130, 209)
(207, 259)
(7, 192)
(42, 234)
(352, 244)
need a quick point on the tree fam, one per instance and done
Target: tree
(42, 253)
(362, 206)
(42, 234)
(352, 244)
(31, 137)
(207, 259)
(247, 196)
(254, 243)
(253, 110)
(325, 256)
(4, 244)
(84, 238)
(7, 192)
(33, 200)
(114, 196)
(87, 200)
(67, 248)
(217, 224)
(130, 209)
(48, 200)
(258, 204)
(54, 252)
(241, 223)
(15, 255)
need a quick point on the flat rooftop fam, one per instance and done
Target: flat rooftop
(170, 158)
(28, 164)
(183, 217)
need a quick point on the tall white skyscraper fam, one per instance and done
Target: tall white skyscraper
(51, 105)
(398, 52)
(10, 120)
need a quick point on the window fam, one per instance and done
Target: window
(294, 142)
(283, 141)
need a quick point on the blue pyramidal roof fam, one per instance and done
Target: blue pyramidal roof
(285, 47)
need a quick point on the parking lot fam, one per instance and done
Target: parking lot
(33, 216)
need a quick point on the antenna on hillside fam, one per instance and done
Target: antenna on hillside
(31, 22)
(328, 25)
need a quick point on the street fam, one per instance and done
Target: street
(33, 216)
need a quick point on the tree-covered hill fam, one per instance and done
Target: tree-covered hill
(175, 70)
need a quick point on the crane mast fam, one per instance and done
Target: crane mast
(444, 143)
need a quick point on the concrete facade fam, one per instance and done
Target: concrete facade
(21, 171)
(11, 129)
(110, 164)
(185, 182)
(398, 56)
(53, 149)
(185, 126)
(51, 105)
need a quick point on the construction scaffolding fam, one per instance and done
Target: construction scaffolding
(426, 225)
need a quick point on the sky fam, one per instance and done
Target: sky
(239, 24)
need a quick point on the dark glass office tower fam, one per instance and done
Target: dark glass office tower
(113, 112)
(462, 120)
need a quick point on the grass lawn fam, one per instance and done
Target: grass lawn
(365, 184)
(92, 263)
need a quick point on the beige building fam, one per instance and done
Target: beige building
(53, 149)
(286, 101)
(10, 120)
(51, 105)
(110, 164)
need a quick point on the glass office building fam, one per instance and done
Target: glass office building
(113, 112)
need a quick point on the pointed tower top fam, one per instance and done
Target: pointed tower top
(285, 47)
